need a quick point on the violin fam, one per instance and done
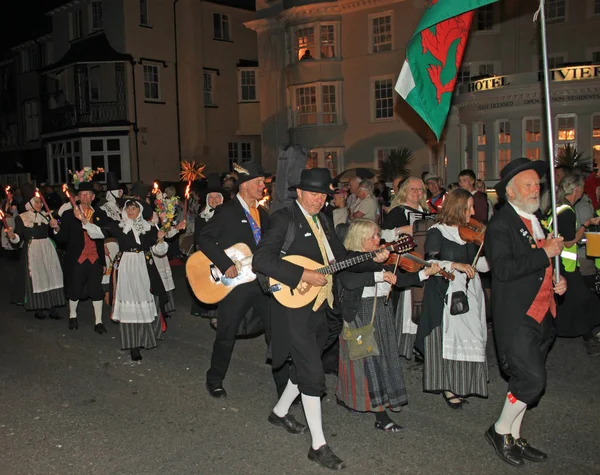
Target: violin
(473, 231)
(414, 262)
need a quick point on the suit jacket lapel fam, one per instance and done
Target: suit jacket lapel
(518, 223)
(241, 215)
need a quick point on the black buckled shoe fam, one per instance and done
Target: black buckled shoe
(136, 355)
(217, 392)
(99, 328)
(325, 457)
(288, 422)
(73, 325)
(54, 314)
(528, 452)
(504, 445)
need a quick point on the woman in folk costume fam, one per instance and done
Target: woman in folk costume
(138, 292)
(215, 194)
(374, 383)
(10, 212)
(111, 210)
(40, 286)
(453, 343)
(409, 205)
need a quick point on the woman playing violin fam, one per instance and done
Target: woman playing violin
(452, 342)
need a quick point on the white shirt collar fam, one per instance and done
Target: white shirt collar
(538, 232)
(244, 204)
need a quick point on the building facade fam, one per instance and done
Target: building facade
(136, 86)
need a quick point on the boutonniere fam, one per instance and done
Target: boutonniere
(529, 237)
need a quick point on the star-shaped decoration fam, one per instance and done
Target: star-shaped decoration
(191, 171)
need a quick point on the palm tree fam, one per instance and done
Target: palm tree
(569, 157)
(397, 164)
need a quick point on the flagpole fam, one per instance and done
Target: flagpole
(542, 15)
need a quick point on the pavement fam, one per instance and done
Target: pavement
(74, 403)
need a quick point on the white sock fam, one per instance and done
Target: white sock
(510, 412)
(290, 393)
(98, 310)
(312, 412)
(73, 308)
(516, 425)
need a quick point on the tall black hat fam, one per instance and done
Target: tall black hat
(249, 171)
(315, 179)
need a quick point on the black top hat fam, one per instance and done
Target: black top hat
(213, 185)
(249, 171)
(139, 189)
(315, 179)
(85, 186)
(515, 167)
(112, 182)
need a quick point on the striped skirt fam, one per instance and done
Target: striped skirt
(406, 341)
(45, 256)
(375, 383)
(463, 378)
(141, 335)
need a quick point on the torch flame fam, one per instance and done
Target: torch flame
(265, 199)
(66, 190)
(187, 191)
(1, 214)
(37, 193)
(7, 189)
(155, 190)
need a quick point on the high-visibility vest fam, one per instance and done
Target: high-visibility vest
(568, 255)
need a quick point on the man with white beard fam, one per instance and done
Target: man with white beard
(523, 305)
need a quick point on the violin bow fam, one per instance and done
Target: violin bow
(387, 297)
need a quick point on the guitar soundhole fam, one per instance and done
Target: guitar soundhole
(303, 287)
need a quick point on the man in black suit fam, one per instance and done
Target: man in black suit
(302, 333)
(239, 220)
(523, 305)
(84, 260)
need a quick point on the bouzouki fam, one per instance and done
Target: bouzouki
(305, 293)
(209, 284)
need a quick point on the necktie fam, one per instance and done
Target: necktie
(326, 292)
(255, 214)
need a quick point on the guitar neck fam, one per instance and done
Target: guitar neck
(338, 266)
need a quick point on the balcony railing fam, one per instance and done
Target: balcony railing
(92, 114)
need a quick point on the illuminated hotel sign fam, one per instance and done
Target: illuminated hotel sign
(571, 73)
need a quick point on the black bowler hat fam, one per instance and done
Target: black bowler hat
(86, 186)
(139, 190)
(515, 167)
(249, 171)
(315, 179)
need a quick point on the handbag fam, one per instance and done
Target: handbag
(459, 303)
(361, 341)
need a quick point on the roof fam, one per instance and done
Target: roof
(249, 5)
(91, 49)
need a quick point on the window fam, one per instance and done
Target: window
(503, 131)
(76, 21)
(239, 152)
(596, 137)
(97, 16)
(532, 134)
(209, 88)
(555, 11)
(481, 143)
(144, 13)
(305, 43)
(246, 151)
(32, 121)
(151, 82)
(381, 155)
(316, 104)
(221, 27)
(328, 41)
(106, 153)
(554, 61)
(329, 158)
(566, 131)
(485, 69)
(464, 74)
(64, 156)
(232, 153)
(596, 7)
(596, 57)
(484, 19)
(382, 98)
(247, 84)
(381, 32)
(94, 74)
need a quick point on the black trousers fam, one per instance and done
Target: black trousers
(526, 360)
(85, 281)
(232, 310)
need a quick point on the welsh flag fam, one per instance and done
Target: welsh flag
(433, 58)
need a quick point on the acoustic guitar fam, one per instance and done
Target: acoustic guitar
(305, 293)
(206, 280)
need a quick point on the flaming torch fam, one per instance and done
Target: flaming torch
(155, 188)
(265, 200)
(6, 226)
(65, 189)
(187, 197)
(41, 197)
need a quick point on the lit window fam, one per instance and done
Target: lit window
(481, 137)
(306, 105)
(329, 115)
(381, 155)
(221, 27)
(151, 82)
(596, 126)
(316, 104)
(381, 32)
(503, 132)
(481, 164)
(305, 41)
(313, 41)
(312, 161)
(326, 158)
(327, 41)
(566, 128)
(532, 133)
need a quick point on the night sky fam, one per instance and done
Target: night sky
(24, 20)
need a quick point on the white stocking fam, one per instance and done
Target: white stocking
(73, 308)
(290, 393)
(312, 411)
(98, 310)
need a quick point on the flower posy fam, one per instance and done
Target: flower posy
(166, 209)
(84, 175)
